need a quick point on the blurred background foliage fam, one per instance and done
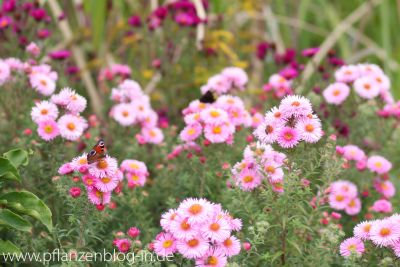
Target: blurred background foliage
(234, 28)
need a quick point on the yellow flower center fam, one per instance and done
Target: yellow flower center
(193, 243)
(378, 164)
(214, 227)
(134, 166)
(48, 129)
(71, 126)
(191, 131)
(82, 161)
(105, 180)
(270, 169)
(99, 194)
(339, 198)
(217, 130)
(228, 242)
(296, 104)
(125, 113)
(309, 128)
(195, 209)
(102, 164)
(248, 179)
(336, 92)
(212, 260)
(385, 232)
(44, 111)
(167, 243)
(43, 82)
(214, 113)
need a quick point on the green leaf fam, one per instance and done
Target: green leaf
(12, 220)
(8, 170)
(8, 247)
(27, 203)
(17, 157)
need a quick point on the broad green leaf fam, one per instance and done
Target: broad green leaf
(17, 157)
(12, 220)
(8, 171)
(27, 203)
(8, 247)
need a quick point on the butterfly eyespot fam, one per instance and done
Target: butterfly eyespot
(101, 143)
(92, 153)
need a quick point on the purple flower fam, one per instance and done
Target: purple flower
(135, 21)
(4, 22)
(261, 50)
(38, 14)
(60, 54)
(309, 52)
(8, 6)
(43, 33)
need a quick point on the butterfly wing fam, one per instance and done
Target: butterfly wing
(208, 97)
(97, 152)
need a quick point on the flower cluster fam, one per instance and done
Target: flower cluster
(100, 178)
(42, 79)
(190, 147)
(69, 126)
(343, 195)
(260, 162)
(124, 243)
(217, 120)
(135, 172)
(199, 230)
(378, 166)
(133, 107)
(382, 233)
(229, 79)
(293, 121)
(115, 70)
(368, 80)
(281, 85)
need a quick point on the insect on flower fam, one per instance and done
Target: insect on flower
(97, 153)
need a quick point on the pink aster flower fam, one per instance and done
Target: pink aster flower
(379, 164)
(71, 126)
(123, 245)
(344, 187)
(42, 83)
(213, 115)
(134, 166)
(218, 84)
(165, 244)
(351, 245)
(309, 129)
(66, 168)
(369, 69)
(192, 248)
(338, 201)
(76, 104)
(167, 219)
(236, 76)
(366, 87)
(106, 183)
(362, 229)
(136, 179)
(384, 187)
(230, 246)
(385, 232)
(153, 135)
(213, 258)
(288, 137)
(44, 110)
(294, 105)
(347, 74)
(352, 152)
(33, 49)
(353, 207)
(268, 131)
(249, 179)
(278, 81)
(191, 132)
(382, 206)
(105, 167)
(124, 114)
(216, 230)
(217, 133)
(182, 229)
(4, 72)
(336, 93)
(196, 210)
(89, 181)
(79, 162)
(48, 130)
(97, 197)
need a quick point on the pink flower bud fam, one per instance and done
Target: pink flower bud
(246, 246)
(75, 192)
(133, 232)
